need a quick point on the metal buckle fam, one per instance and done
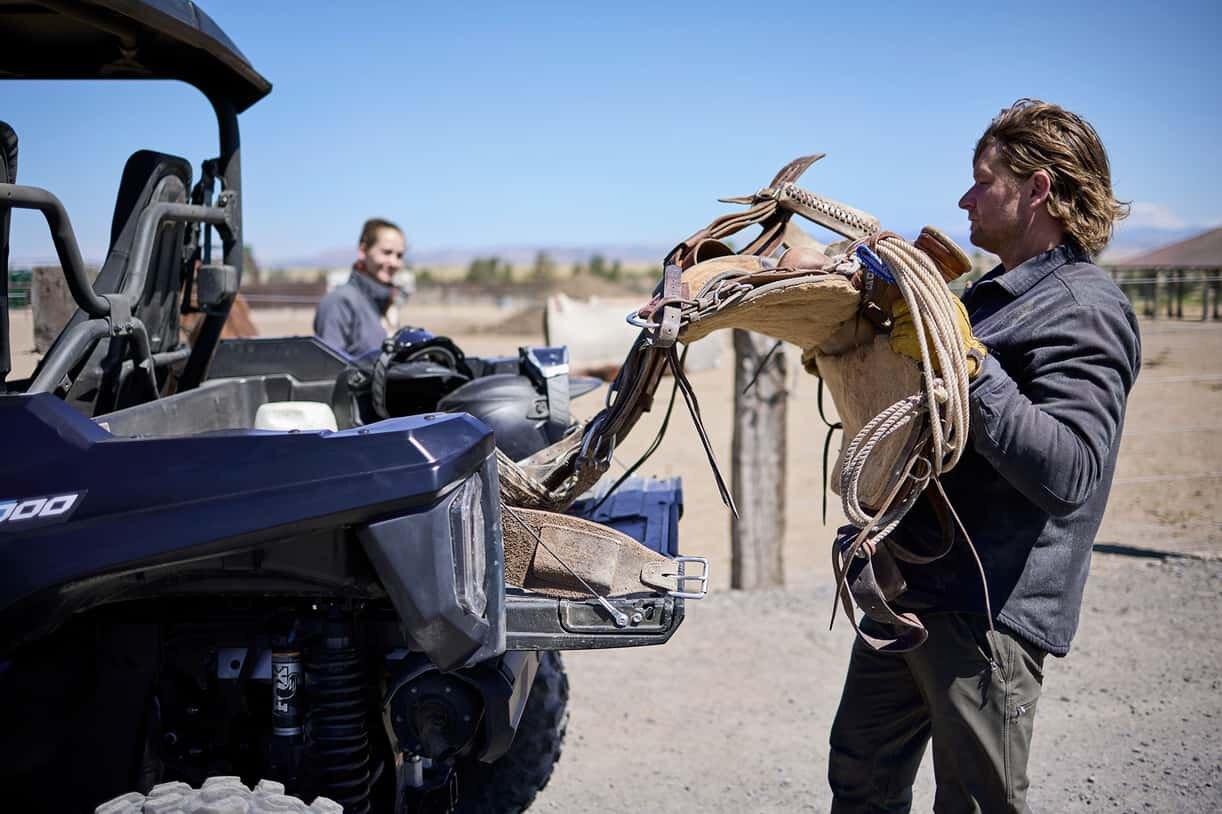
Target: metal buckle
(636, 320)
(682, 577)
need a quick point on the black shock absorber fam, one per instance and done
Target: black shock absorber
(337, 735)
(286, 744)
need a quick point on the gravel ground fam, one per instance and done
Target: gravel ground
(733, 714)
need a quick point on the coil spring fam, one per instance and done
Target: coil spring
(337, 735)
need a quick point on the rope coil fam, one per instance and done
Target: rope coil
(944, 392)
(941, 407)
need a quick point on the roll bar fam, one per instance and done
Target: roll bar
(111, 314)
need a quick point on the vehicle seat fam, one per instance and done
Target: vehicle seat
(148, 177)
(8, 175)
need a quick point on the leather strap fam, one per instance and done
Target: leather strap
(871, 596)
(565, 556)
(945, 524)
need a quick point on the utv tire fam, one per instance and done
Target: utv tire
(509, 784)
(218, 795)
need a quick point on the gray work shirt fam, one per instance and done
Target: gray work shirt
(349, 318)
(1046, 415)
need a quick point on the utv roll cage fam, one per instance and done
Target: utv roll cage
(127, 323)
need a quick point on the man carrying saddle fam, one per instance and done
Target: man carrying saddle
(1053, 350)
(1010, 407)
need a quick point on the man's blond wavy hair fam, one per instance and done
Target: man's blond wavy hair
(1032, 135)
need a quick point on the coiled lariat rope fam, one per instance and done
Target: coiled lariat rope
(941, 406)
(934, 315)
(943, 397)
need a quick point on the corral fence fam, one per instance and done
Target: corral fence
(1171, 293)
(294, 294)
(284, 294)
(1156, 292)
(512, 294)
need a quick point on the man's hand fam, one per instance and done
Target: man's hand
(904, 338)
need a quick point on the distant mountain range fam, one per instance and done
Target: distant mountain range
(1128, 242)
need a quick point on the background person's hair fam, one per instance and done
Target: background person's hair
(1032, 135)
(369, 232)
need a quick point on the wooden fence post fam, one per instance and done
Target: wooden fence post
(1179, 294)
(758, 470)
(51, 305)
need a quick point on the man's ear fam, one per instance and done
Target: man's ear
(1041, 187)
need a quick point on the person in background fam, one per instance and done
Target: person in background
(353, 317)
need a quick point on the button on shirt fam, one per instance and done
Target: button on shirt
(1047, 411)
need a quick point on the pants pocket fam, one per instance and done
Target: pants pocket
(1022, 710)
(1024, 676)
(986, 644)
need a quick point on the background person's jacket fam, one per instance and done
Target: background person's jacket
(349, 318)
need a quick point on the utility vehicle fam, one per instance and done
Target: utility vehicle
(185, 595)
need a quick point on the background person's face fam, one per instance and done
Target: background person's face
(384, 257)
(993, 203)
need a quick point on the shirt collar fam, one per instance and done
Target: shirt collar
(380, 295)
(1020, 279)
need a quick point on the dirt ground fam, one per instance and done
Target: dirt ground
(733, 714)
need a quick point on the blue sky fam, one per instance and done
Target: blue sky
(492, 124)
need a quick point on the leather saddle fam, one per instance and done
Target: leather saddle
(787, 285)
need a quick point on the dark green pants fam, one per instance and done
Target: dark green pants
(978, 713)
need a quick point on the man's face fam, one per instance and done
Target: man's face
(994, 203)
(384, 257)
